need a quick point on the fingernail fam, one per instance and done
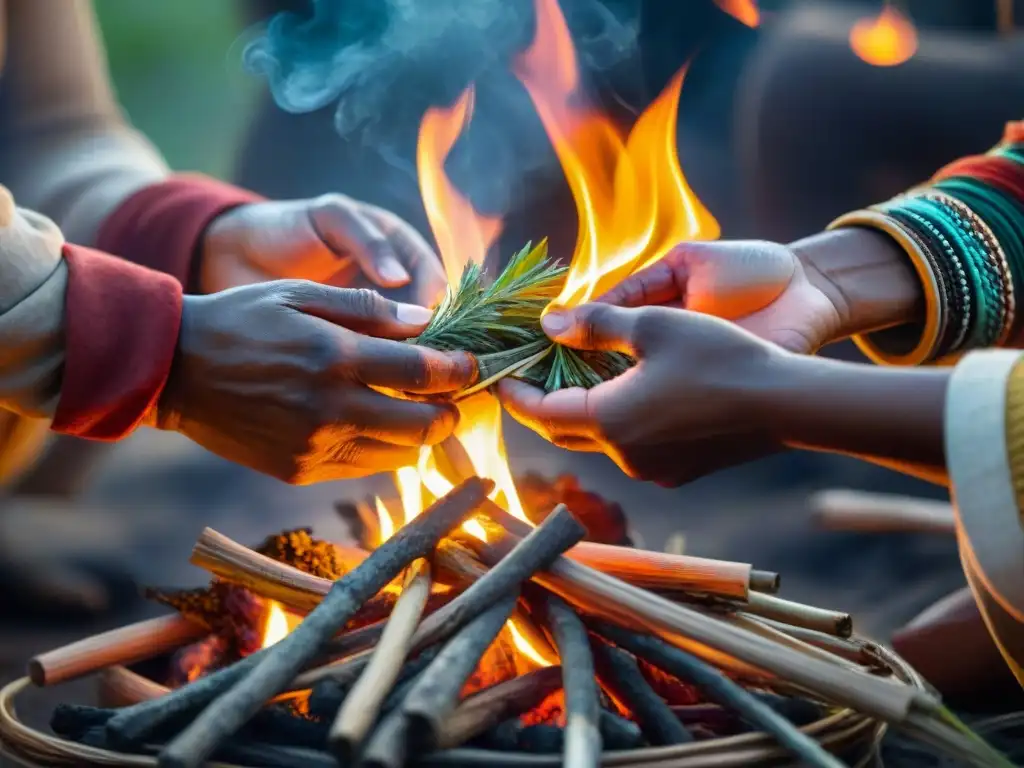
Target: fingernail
(393, 271)
(413, 314)
(555, 323)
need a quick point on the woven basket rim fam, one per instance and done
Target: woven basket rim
(842, 728)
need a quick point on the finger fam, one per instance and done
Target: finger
(348, 232)
(399, 422)
(594, 327)
(660, 283)
(358, 309)
(415, 253)
(563, 414)
(405, 367)
(577, 444)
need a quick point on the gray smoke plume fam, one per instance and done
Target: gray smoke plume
(381, 63)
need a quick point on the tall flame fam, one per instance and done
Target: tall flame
(744, 11)
(886, 40)
(462, 234)
(633, 200)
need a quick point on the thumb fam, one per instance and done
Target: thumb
(359, 309)
(599, 327)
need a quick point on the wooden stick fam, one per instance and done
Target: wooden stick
(582, 746)
(799, 615)
(436, 693)
(842, 510)
(848, 649)
(234, 562)
(765, 581)
(620, 675)
(505, 576)
(720, 688)
(599, 594)
(124, 645)
(362, 705)
(642, 568)
(483, 710)
(282, 662)
(387, 746)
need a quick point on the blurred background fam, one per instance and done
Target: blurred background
(782, 127)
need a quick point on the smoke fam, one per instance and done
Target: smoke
(381, 63)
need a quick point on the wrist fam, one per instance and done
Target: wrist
(865, 275)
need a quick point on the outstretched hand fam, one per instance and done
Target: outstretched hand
(761, 286)
(331, 239)
(288, 378)
(691, 405)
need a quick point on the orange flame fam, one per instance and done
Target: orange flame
(633, 200)
(744, 11)
(886, 40)
(277, 624)
(462, 235)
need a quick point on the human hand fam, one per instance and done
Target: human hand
(285, 377)
(331, 239)
(695, 402)
(763, 287)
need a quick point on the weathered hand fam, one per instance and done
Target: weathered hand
(280, 377)
(330, 239)
(692, 404)
(763, 287)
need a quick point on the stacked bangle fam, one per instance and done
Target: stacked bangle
(964, 234)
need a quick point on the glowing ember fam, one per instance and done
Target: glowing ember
(886, 40)
(744, 11)
(633, 201)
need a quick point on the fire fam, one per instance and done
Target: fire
(634, 204)
(633, 200)
(744, 11)
(462, 235)
(886, 40)
(277, 624)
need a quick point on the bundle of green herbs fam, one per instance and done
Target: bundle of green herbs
(499, 324)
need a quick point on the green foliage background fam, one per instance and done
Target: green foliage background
(175, 64)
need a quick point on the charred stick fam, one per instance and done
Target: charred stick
(388, 744)
(435, 694)
(485, 709)
(618, 733)
(557, 533)
(723, 690)
(837, 646)
(362, 705)
(643, 568)
(620, 675)
(124, 645)
(799, 615)
(582, 747)
(246, 686)
(598, 594)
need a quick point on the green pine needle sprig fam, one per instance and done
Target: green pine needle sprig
(499, 323)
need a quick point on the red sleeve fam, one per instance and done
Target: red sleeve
(161, 226)
(121, 331)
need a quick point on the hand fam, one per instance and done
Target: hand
(330, 239)
(763, 287)
(693, 404)
(280, 377)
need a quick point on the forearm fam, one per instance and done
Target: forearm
(894, 414)
(939, 270)
(866, 276)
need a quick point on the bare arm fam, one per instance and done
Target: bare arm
(65, 148)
